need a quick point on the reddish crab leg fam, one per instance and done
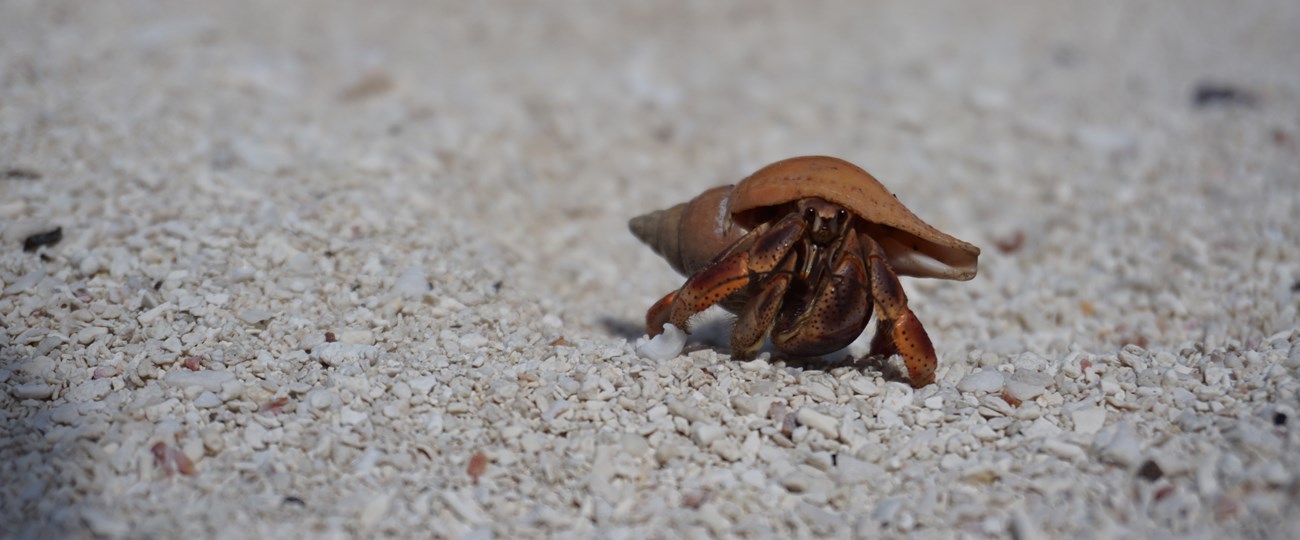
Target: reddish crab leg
(657, 315)
(757, 253)
(751, 327)
(898, 331)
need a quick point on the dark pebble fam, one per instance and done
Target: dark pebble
(1150, 471)
(1283, 139)
(18, 173)
(295, 500)
(1279, 419)
(47, 238)
(1208, 94)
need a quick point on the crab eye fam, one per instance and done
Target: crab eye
(810, 215)
(842, 216)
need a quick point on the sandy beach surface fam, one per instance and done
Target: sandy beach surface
(361, 269)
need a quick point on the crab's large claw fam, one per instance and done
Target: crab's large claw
(752, 257)
(837, 310)
(898, 331)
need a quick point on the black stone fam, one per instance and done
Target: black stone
(47, 238)
(1150, 471)
(18, 173)
(1210, 94)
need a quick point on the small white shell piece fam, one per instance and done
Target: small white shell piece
(665, 346)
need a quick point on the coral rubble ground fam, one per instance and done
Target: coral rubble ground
(332, 269)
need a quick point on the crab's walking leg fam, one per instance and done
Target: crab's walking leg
(757, 316)
(754, 255)
(657, 315)
(898, 331)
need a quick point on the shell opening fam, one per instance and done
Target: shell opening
(910, 256)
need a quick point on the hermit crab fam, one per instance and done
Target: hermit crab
(803, 250)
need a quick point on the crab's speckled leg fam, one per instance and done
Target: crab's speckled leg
(898, 330)
(718, 280)
(757, 316)
(657, 315)
(754, 255)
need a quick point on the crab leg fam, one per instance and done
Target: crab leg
(759, 312)
(756, 254)
(898, 330)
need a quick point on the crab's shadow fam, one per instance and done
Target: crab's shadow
(709, 329)
(865, 364)
(623, 328)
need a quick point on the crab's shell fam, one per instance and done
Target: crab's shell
(690, 234)
(914, 248)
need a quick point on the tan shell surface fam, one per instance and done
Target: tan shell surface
(690, 234)
(914, 247)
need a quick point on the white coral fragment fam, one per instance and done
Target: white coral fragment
(665, 346)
